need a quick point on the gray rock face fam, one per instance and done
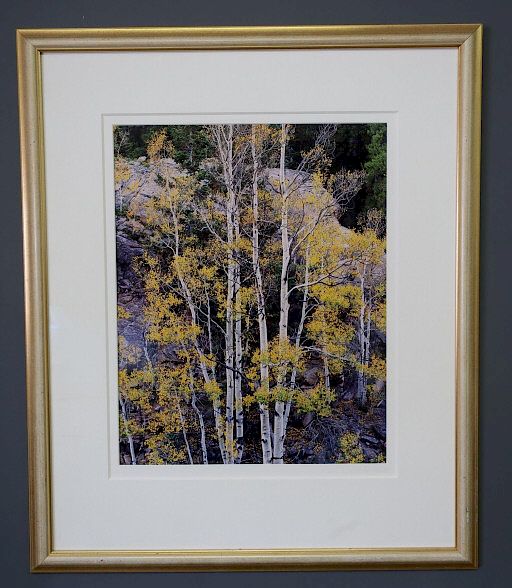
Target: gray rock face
(143, 183)
(131, 196)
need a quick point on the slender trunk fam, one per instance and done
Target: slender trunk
(217, 410)
(209, 326)
(200, 418)
(327, 376)
(361, 377)
(366, 355)
(266, 440)
(229, 355)
(202, 427)
(266, 433)
(239, 411)
(368, 330)
(285, 242)
(184, 431)
(230, 293)
(146, 355)
(279, 408)
(300, 329)
(133, 459)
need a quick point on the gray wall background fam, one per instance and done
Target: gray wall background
(496, 282)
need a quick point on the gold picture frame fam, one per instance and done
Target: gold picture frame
(31, 45)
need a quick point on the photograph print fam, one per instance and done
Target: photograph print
(251, 293)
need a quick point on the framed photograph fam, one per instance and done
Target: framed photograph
(251, 273)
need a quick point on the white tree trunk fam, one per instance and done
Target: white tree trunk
(327, 375)
(230, 296)
(300, 329)
(217, 410)
(184, 431)
(185, 291)
(239, 411)
(133, 459)
(284, 307)
(200, 418)
(361, 376)
(265, 432)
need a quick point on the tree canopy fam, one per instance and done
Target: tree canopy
(251, 293)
